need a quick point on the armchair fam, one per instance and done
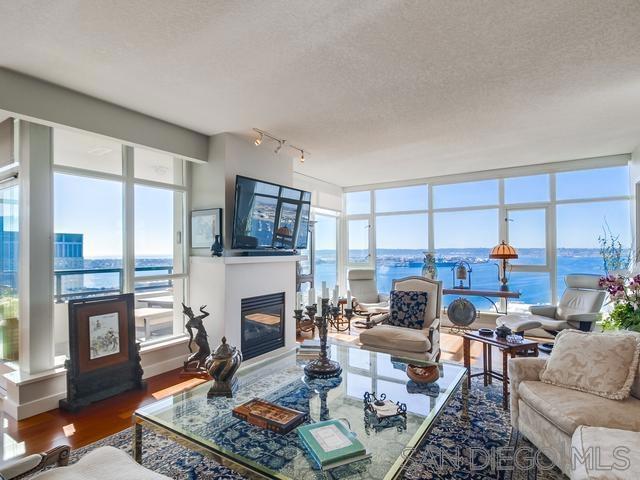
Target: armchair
(103, 463)
(409, 342)
(579, 308)
(552, 418)
(366, 299)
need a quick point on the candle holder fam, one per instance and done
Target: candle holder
(302, 324)
(322, 367)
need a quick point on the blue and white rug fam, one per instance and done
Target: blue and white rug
(458, 447)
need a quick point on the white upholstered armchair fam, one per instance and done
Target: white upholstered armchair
(363, 286)
(405, 342)
(103, 463)
(579, 308)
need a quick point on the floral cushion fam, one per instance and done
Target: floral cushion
(407, 309)
(603, 364)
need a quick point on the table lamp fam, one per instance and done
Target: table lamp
(503, 252)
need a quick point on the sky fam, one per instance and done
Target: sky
(93, 207)
(578, 224)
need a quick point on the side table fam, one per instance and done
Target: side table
(508, 350)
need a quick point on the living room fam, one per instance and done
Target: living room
(384, 240)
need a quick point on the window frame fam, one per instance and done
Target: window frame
(129, 181)
(550, 206)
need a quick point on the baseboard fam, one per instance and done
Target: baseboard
(29, 409)
(164, 366)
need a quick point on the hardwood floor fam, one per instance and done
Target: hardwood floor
(104, 418)
(110, 416)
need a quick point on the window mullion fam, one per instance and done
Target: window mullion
(129, 260)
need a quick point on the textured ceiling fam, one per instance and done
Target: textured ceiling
(376, 91)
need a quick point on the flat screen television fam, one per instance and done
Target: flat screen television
(268, 216)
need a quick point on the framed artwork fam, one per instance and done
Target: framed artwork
(104, 357)
(205, 225)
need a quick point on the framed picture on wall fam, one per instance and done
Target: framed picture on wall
(104, 356)
(205, 225)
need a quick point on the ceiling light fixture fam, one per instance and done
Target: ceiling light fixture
(301, 150)
(281, 142)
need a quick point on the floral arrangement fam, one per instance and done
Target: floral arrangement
(625, 295)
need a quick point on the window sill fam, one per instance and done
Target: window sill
(160, 344)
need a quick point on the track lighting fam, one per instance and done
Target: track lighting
(280, 143)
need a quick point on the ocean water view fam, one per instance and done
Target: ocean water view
(535, 287)
(391, 264)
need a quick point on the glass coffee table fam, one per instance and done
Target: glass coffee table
(207, 425)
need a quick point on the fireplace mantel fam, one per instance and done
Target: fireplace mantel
(221, 283)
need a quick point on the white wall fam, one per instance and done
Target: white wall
(323, 194)
(208, 185)
(242, 157)
(6, 142)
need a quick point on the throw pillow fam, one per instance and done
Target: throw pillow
(407, 309)
(603, 364)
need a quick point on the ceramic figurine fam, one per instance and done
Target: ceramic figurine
(222, 366)
(196, 361)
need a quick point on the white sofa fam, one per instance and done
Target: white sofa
(550, 416)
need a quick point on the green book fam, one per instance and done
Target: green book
(331, 444)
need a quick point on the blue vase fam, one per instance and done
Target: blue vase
(216, 248)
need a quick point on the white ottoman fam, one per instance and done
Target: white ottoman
(605, 453)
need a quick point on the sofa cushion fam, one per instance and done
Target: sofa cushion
(604, 364)
(396, 338)
(616, 458)
(568, 409)
(407, 308)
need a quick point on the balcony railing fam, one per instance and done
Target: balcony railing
(63, 293)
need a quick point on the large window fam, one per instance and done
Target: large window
(554, 220)
(94, 252)
(326, 248)
(88, 236)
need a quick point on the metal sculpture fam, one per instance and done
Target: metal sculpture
(196, 361)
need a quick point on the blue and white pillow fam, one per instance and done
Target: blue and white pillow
(407, 309)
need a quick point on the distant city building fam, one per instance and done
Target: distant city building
(68, 255)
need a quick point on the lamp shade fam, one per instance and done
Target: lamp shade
(503, 251)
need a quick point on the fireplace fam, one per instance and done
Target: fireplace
(262, 324)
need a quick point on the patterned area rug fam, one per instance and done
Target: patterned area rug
(458, 447)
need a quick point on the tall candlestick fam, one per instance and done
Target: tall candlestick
(349, 300)
(312, 296)
(336, 295)
(298, 299)
(325, 290)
